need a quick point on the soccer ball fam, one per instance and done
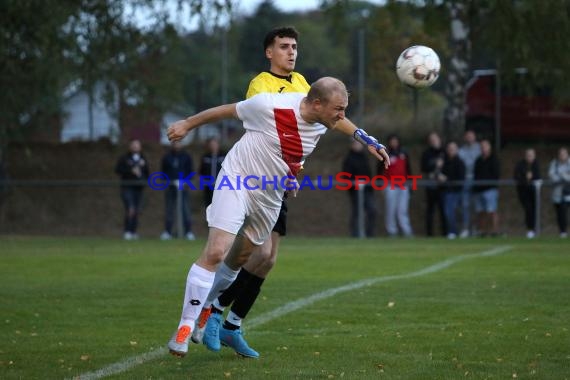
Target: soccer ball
(418, 66)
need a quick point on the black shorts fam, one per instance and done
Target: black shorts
(281, 224)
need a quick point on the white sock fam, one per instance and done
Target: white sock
(224, 278)
(233, 319)
(217, 305)
(198, 284)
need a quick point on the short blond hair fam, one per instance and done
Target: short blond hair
(324, 87)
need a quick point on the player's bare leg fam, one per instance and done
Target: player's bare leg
(198, 284)
(225, 276)
(263, 259)
(245, 290)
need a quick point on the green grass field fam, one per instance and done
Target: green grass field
(71, 307)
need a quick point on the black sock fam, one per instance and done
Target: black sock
(229, 326)
(231, 293)
(245, 300)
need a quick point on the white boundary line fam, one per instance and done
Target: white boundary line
(133, 361)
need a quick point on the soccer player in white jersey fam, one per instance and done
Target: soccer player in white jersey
(281, 131)
(280, 48)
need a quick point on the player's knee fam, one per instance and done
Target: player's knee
(268, 264)
(241, 259)
(214, 255)
(264, 252)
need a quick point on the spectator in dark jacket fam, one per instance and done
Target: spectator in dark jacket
(431, 165)
(356, 163)
(132, 168)
(527, 170)
(210, 166)
(177, 163)
(487, 194)
(452, 176)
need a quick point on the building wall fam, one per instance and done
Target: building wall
(76, 118)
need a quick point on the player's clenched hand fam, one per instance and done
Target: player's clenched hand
(381, 154)
(176, 131)
(374, 147)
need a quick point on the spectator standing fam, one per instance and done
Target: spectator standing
(527, 171)
(452, 175)
(397, 200)
(177, 163)
(559, 172)
(210, 166)
(469, 152)
(487, 195)
(132, 167)
(356, 163)
(431, 165)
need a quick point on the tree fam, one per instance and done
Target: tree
(33, 65)
(530, 34)
(47, 44)
(458, 68)
(505, 35)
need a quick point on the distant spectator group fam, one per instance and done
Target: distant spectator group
(450, 173)
(461, 187)
(133, 170)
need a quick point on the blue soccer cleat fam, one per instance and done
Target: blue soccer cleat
(235, 340)
(212, 333)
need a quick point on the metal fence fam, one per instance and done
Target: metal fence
(94, 208)
(542, 195)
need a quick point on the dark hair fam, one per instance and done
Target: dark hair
(287, 31)
(393, 136)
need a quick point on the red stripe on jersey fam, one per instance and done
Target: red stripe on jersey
(288, 131)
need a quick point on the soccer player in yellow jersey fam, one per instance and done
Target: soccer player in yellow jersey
(281, 50)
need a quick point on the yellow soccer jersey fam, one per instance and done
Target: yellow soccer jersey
(268, 82)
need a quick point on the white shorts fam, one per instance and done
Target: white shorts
(234, 210)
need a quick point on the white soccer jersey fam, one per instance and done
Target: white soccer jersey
(276, 142)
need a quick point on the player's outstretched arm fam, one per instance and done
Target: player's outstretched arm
(374, 147)
(176, 131)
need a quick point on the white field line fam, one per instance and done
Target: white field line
(134, 361)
